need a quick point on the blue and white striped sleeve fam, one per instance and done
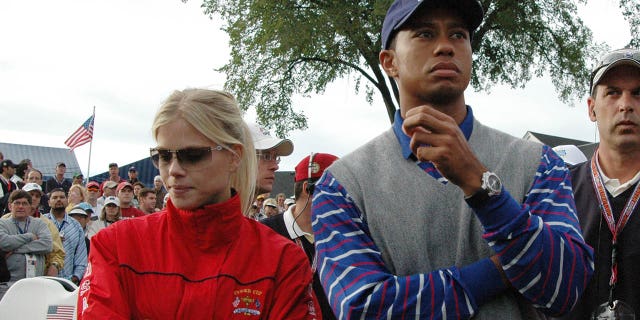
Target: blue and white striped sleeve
(539, 242)
(358, 284)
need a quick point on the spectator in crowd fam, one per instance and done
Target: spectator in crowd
(295, 223)
(8, 186)
(125, 195)
(147, 200)
(78, 178)
(137, 186)
(58, 180)
(114, 175)
(108, 190)
(440, 216)
(77, 193)
(82, 213)
(606, 189)
(75, 261)
(93, 194)
(158, 186)
(207, 160)
(109, 215)
(269, 150)
(35, 176)
(288, 202)
(54, 261)
(133, 175)
(280, 198)
(20, 174)
(270, 207)
(26, 239)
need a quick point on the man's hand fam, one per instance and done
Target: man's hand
(437, 138)
(75, 280)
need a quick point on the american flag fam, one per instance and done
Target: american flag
(83, 135)
(60, 312)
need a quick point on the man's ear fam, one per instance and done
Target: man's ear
(387, 61)
(591, 105)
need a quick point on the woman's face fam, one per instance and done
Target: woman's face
(111, 211)
(75, 196)
(201, 182)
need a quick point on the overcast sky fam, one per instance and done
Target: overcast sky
(59, 59)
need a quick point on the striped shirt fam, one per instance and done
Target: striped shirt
(538, 242)
(75, 260)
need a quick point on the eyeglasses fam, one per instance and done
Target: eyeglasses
(93, 189)
(188, 158)
(268, 157)
(21, 203)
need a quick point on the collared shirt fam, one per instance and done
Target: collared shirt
(466, 127)
(293, 228)
(75, 260)
(613, 185)
(541, 228)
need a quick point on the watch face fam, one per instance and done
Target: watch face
(494, 182)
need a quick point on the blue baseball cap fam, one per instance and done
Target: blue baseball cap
(401, 10)
(84, 206)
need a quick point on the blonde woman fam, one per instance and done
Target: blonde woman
(109, 215)
(77, 193)
(200, 257)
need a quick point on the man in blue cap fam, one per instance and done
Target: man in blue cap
(440, 216)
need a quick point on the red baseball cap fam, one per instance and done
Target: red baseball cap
(123, 185)
(320, 162)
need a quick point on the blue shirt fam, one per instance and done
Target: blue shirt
(75, 259)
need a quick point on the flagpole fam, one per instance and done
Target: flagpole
(90, 146)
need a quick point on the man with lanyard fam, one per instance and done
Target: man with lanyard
(606, 189)
(55, 259)
(26, 239)
(295, 222)
(75, 260)
(442, 217)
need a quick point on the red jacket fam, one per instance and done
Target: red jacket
(211, 263)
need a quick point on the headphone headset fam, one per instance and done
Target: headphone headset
(310, 185)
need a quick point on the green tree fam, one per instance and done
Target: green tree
(631, 12)
(284, 47)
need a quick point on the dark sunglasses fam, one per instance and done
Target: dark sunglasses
(188, 158)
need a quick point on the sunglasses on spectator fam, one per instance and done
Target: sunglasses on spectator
(93, 189)
(188, 158)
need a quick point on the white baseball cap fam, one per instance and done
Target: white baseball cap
(112, 199)
(32, 186)
(263, 141)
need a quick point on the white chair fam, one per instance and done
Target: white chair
(35, 298)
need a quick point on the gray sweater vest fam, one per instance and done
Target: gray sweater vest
(421, 225)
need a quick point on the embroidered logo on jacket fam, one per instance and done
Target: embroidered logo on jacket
(247, 302)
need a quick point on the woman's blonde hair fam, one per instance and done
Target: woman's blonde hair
(216, 115)
(103, 213)
(81, 189)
